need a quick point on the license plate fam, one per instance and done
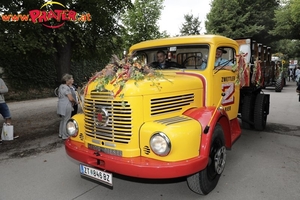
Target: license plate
(96, 174)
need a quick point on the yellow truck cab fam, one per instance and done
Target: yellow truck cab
(179, 124)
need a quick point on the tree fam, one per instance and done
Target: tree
(141, 22)
(287, 20)
(291, 48)
(73, 42)
(191, 26)
(287, 28)
(247, 18)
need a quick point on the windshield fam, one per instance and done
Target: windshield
(186, 57)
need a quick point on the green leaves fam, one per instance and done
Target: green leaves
(287, 22)
(240, 19)
(140, 22)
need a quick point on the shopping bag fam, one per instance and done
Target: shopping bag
(7, 132)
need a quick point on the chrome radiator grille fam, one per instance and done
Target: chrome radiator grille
(107, 119)
(170, 104)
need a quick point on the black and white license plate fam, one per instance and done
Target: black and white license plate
(96, 174)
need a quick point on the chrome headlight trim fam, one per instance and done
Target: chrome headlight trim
(160, 144)
(72, 128)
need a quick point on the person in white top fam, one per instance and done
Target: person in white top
(297, 72)
(297, 75)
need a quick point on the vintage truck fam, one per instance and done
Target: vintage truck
(276, 75)
(176, 121)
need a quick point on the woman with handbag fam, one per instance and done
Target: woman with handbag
(65, 104)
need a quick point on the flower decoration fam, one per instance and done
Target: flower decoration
(118, 72)
(242, 68)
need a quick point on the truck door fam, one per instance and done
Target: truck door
(225, 82)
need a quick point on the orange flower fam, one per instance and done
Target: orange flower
(125, 77)
(137, 65)
(150, 74)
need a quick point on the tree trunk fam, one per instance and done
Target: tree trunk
(62, 59)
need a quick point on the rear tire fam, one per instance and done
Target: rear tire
(260, 112)
(247, 112)
(279, 85)
(206, 180)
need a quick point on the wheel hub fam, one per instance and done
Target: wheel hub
(220, 160)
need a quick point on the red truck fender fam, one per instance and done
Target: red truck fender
(206, 115)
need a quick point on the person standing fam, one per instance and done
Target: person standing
(4, 109)
(291, 77)
(65, 104)
(73, 91)
(297, 75)
(297, 71)
(298, 91)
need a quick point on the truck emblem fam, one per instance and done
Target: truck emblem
(101, 117)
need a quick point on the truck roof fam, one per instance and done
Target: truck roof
(183, 40)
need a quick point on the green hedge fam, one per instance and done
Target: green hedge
(31, 77)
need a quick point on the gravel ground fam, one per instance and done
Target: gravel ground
(37, 123)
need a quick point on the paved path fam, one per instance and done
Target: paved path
(284, 105)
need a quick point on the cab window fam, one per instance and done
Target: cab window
(225, 56)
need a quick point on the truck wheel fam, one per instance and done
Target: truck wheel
(278, 85)
(247, 111)
(260, 114)
(206, 180)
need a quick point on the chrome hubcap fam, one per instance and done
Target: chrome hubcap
(220, 160)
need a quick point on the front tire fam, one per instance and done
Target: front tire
(206, 180)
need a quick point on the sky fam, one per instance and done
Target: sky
(172, 16)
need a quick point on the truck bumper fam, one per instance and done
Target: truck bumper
(140, 167)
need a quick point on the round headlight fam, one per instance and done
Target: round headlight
(160, 144)
(72, 128)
